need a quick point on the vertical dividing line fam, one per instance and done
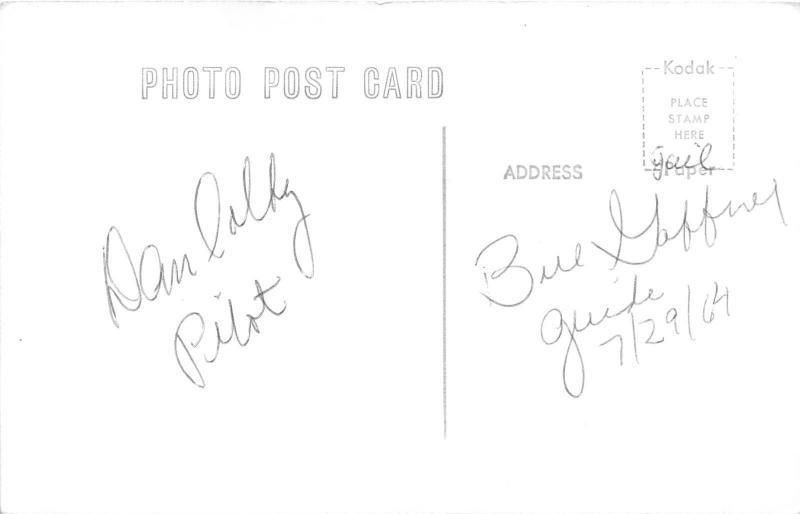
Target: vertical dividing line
(444, 279)
(733, 120)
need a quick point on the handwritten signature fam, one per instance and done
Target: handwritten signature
(215, 231)
(686, 165)
(508, 283)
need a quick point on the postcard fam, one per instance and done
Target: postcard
(399, 257)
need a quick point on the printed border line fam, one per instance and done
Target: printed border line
(644, 126)
(644, 138)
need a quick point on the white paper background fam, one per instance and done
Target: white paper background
(337, 405)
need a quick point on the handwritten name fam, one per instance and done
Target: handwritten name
(216, 229)
(508, 283)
